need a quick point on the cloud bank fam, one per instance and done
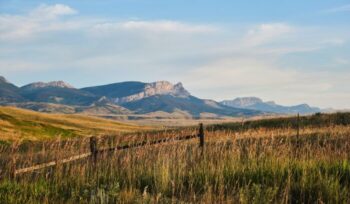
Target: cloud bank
(274, 60)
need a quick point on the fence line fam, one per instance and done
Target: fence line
(94, 151)
(52, 163)
(144, 143)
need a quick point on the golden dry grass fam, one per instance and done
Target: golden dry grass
(262, 163)
(266, 168)
(19, 124)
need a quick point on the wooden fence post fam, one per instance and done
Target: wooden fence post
(201, 135)
(297, 142)
(9, 170)
(12, 168)
(93, 148)
(298, 126)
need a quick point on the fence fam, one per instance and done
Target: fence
(11, 170)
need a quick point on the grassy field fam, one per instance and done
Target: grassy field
(262, 161)
(19, 124)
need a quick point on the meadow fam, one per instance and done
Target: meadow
(20, 125)
(261, 161)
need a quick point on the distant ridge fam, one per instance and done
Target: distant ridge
(254, 103)
(132, 91)
(142, 98)
(133, 97)
(58, 92)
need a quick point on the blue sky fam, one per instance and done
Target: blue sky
(287, 51)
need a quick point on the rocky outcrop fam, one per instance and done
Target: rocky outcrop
(38, 85)
(156, 88)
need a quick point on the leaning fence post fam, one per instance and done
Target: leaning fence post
(93, 148)
(201, 135)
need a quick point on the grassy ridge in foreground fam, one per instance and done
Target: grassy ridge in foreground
(18, 124)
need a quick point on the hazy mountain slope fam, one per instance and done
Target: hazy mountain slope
(102, 107)
(45, 107)
(116, 90)
(242, 102)
(9, 92)
(130, 98)
(192, 105)
(93, 109)
(56, 92)
(255, 103)
(132, 91)
(161, 96)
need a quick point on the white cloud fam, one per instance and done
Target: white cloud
(342, 61)
(47, 18)
(42, 19)
(154, 27)
(232, 77)
(213, 61)
(240, 72)
(52, 11)
(266, 33)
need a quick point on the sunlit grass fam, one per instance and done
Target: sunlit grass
(18, 124)
(257, 165)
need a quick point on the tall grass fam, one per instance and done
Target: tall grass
(259, 165)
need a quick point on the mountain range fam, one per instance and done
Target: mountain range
(254, 103)
(132, 98)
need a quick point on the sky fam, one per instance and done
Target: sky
(290, 52)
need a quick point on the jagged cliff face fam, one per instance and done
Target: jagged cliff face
(156, 88)
(165, 87)
(38, 85)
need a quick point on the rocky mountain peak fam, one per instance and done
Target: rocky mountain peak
(181, 90)
(60, 84)
(38, 85)
(156, 88)
(165, 87)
